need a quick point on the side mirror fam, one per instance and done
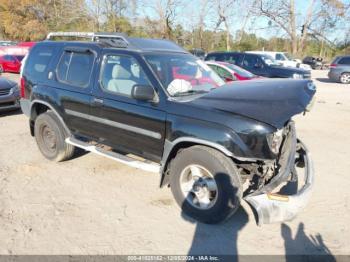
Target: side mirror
(143, 92)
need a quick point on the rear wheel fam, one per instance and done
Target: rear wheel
(1, 69)
(50, 137)
(345, 78)
(206, 184)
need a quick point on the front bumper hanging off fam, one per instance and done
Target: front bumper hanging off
(272, 208)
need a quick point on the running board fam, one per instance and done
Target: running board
(150, 167)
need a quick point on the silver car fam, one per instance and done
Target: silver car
(9, 95)
(340, 69)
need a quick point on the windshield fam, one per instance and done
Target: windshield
(183, 74)
(240, 71)
(269, 60)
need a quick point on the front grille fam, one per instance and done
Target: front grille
(5, 92)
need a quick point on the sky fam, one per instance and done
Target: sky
(260, 25)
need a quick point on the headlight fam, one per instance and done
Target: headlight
(297, 76)
(274, 140)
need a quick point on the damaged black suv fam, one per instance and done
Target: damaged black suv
(150, 104)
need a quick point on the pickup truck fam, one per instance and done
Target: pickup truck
(150, 104)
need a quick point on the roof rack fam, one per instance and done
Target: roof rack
(113, 39)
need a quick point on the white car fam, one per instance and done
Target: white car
(284, 59)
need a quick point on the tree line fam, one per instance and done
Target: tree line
(310, 27)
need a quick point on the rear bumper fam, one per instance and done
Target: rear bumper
(25, 106)
(272, 208)
(334, 75)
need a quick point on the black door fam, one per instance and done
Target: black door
(74, 82)
(121, 121)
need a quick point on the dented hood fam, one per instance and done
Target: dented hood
(272, 101)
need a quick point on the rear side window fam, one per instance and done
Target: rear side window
(232, 58)
(344, 61)
(37, 63)
(75, 68)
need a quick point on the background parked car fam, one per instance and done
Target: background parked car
(198, 52)
(261, 65)
(284, 59)
(229, 72)
(9, 95)
(11, 63)
(339, 70)
(314, 62)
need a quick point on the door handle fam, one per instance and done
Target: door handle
(98, 101)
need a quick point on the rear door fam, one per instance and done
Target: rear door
(121, 121)
(74, 78)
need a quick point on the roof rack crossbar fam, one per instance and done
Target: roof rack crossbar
(117, 38)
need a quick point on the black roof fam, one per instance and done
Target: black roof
(120, 40)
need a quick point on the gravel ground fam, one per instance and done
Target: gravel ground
(93, 205)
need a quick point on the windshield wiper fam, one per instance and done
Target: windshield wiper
(190, 92)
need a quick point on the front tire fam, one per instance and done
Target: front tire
(206, 184)
(345, 78)
(50, 137)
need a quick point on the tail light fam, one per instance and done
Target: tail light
(22, 87)
(333, 66)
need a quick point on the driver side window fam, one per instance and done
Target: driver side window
(121, 73)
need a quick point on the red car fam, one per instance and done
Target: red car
(10, 63)
(230, 72)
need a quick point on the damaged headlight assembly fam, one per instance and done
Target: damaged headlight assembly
(274, 140)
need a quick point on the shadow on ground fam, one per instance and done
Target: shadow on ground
(302, 244)
(324, 80)
(11, 113)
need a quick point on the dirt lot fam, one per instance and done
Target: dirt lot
(92, 205)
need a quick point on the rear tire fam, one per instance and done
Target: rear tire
(211, 194)
(50, 137)
(345, 78)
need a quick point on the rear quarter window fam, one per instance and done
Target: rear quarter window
(38, 61)
(344, 61)
(75, 68)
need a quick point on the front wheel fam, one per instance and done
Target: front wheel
(345, 78)
(206, 184)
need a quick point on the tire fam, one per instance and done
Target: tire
(50, 138)
(223, 172)
(1, 69)
(345, 78)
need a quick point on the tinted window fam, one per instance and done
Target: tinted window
(38, 61)
(121, 73)
(232, 58)
(214, 57)
(344, 61)
(280, 57)
(75, 68)
(250, 61)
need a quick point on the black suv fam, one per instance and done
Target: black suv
(314, 62)
(259, 64)
(152, 105)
